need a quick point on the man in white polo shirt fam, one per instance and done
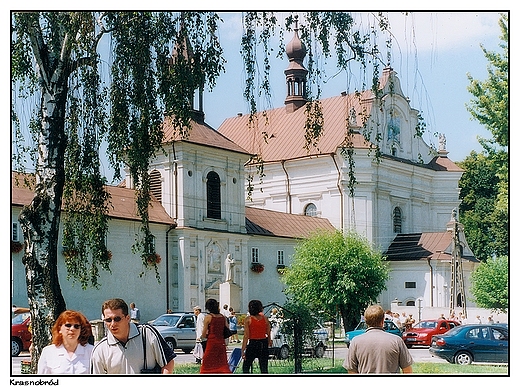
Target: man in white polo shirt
(122, 350)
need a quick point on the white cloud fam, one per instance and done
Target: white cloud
(442, 31)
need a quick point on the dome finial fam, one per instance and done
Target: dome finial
(295, 49)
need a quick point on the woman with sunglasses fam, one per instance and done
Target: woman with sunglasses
(70, 351)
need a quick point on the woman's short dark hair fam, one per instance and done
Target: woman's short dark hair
(212, 306)
(255, 307)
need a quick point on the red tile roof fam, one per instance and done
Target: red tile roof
(285, 131)
(440, 163)
(201, 134)
(123, 205)
(421, 246)
(280, 224)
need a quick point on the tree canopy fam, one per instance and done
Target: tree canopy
(333, 271)
(490, 284)
(490, 105)
(486, 222)
(484, 187)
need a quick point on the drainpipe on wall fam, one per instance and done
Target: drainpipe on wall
(287, 187)
(167, 263)
(429, 259)
(341, 198)
(176, 184)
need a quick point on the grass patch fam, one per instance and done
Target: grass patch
(441, 368)
(324, 366)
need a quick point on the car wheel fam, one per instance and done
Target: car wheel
(171, 343)
(463, 358)
(409, 345)
(284, 352)
(16, 347)
(319, 351)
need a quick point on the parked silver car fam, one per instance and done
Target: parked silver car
(177, 329)
(314, 346)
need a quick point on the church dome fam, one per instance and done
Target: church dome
(295, 49)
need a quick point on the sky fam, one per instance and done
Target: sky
(432, 54)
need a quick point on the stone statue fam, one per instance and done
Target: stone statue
(442, 142)
(352, 118)
(454, 214)
(229, 264)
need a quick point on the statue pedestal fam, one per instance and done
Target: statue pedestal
(230, 294)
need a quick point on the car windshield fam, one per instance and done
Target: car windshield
(166, 320)
(426, 324)
(361, 325)
(19, 319)
(454, 331)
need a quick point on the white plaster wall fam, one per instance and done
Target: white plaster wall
(123, 281)
(266, 286)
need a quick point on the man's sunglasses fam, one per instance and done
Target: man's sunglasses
(110, 319)
(76, 326)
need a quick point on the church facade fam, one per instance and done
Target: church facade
(401, 185)
(219, 239)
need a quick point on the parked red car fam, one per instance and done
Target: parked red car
(20, 334)
(422, 332)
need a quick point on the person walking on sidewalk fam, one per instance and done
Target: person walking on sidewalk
(233, 326)
(215, 359)
(200, 342)
(257, 338)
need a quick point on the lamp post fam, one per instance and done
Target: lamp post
(419, 307)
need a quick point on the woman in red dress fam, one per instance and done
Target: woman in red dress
(214, 360)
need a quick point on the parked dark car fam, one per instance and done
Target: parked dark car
(177, 329)
(20, 333)
(389, 326)
(473, 343)
(422, 332)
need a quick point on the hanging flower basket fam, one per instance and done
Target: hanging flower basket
(257, 267)
(70, 253)
(281, 269)
(16, 247)
(152, 259)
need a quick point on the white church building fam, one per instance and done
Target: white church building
(203, 212)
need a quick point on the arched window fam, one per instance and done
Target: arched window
(155, 184)
(397, 220)
(213, 195)
(310, 210)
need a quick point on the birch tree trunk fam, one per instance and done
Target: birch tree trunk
(40, 220)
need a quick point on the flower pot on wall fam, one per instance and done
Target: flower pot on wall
(257, 267)
(16, 247)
